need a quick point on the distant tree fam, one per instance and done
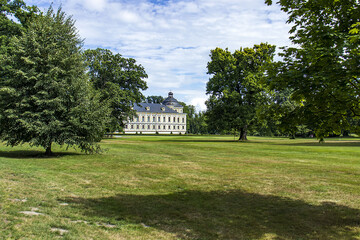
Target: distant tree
(154, 99)
(236, 88)
(120, 81)
(198, 124)
(45, 95)
(322, 69)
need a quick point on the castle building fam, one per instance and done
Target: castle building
(164, 118)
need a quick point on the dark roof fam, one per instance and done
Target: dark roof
(170, 100)
(154, 108)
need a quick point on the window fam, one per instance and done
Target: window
(162, 109)
(178, 127)
(148, 126)
(137, 126)
(178, 120)
(159, 119)
(164, 127)
(159, 127)
(147, 108)
(169, 119)
(126, 126)
(183, 120)
(183, 127)
(154, 119)
(143, 126)
(174, 119)
(164, 119)
(136, 119)
(148, 118)
(154, 127)
(132, 126)
(143, 119)
(169, 127)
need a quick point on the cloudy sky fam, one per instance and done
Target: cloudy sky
(172, 39)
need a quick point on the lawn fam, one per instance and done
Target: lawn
(183, 187)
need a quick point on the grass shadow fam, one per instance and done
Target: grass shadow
(23, 154)
(325, 144)
(232, 214)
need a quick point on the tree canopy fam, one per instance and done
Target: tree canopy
(154, 99)
(322, 70)
(120, 81)
(45, 95)
(235, 87)
(10, 11)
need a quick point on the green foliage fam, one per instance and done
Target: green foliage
(195, 121)
(322, 70)
(45, 95)
(120, 81)
(10, 10)
(236, 87)
(154, 99)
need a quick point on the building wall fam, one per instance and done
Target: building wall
(163, 123)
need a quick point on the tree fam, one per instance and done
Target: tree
(195, 122)
(154, 99)
(323, 69)
(45, 95)
(235, 88)
(120, 81)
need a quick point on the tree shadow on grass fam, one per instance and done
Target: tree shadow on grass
(23, 154)
(325, 144)
(227, 215)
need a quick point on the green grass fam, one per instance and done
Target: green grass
(184, 187)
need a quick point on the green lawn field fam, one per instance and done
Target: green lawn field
(183, 187)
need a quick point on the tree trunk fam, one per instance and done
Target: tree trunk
(243, 133)
(48, 150)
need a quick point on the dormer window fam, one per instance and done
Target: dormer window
(147, 108)
(162, 109)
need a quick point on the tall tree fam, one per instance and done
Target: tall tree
(45, 95)
(120, 81)
(235, 87)
(323, 69)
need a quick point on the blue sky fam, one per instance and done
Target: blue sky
(172, 39)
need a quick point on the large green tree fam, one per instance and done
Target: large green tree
(45, 94)
(120, 81)
(322, 69)
(235, 87)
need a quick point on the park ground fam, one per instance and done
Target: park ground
(183, 187)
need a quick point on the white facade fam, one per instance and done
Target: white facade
(158, 118)
(152, 123)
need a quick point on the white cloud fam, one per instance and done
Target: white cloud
(173, 40)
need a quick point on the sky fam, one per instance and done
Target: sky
(172, 39)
